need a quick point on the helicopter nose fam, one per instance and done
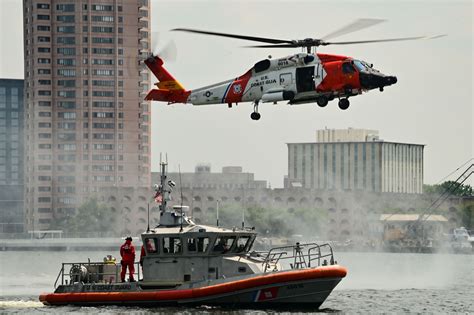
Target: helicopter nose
(376, 80)
(389, 80)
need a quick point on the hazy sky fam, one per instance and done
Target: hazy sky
(431, 104)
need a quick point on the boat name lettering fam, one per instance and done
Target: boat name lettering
(107, 287)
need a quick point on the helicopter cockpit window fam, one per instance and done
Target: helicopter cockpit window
(262, 65)
(242, 243)
(223, 244)
(359, 65)
(347, 68)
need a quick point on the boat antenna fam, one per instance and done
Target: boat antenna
(148, 224)
(161, 189)
(181, 191)
(217, 212)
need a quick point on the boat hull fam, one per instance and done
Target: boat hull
(303, 288)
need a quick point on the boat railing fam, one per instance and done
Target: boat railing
(299, 256)
(92, 272)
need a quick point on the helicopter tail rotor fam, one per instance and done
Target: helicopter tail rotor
(167, 51)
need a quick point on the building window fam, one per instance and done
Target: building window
(44, 49)
(66, 29)
(102, 40)
(104, 51)
(42, 6)
(103, 146)
(67, 51)
(44, 103)
(100, 18)
(108, 83)
(65, 7)
(67, 94)
(66, 104)
(66, 40)
(67, 83)
(67, 72)
(103, 93)
(44, 114)
(44, 71)
(43, 28)
(102, 61)
(67, 115)
(100, 7)
(65, 18)
(66, 62)
(102, 29)
(44, 60)
(43, 17)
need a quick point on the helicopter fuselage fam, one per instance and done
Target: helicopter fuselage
(297, 79)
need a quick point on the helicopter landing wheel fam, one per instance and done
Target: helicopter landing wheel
(255, 116)
(322, 101)
(344, 103)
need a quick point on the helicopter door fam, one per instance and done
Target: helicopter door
(305, 79)
(286, 79)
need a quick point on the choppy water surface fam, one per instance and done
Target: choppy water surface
(376, 283)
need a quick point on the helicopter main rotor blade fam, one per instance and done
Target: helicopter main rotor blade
(273, 46)
(357, 25)
(381, 40)
(252, 38)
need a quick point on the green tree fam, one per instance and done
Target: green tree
(464, 190)
(91, 216)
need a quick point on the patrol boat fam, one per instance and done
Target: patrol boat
(193, 264)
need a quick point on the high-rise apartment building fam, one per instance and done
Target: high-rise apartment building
(346, 161)
(87, 125)
(11, 156)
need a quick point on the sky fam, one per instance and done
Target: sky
(431, 104)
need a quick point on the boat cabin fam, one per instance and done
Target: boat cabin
(177, 254)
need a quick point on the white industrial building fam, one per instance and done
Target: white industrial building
(355, 159)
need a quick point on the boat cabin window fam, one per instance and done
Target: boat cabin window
(151, 245)
(198, 245)
(242, 243)
(172, 245)
(223, 244)
(347, 67)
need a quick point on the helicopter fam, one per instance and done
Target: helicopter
(305, 77)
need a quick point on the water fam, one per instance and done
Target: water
(376, 283)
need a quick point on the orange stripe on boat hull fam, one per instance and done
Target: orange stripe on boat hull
(209, 291)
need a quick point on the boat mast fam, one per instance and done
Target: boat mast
(164, 190)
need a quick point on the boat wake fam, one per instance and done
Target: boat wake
(20, 304)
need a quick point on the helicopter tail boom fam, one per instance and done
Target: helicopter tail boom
(169, 89)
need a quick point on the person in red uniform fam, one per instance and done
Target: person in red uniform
(127, 251)
(149, 248)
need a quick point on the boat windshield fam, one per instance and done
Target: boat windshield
(242, 243)
(223, 244)
(359, 65)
